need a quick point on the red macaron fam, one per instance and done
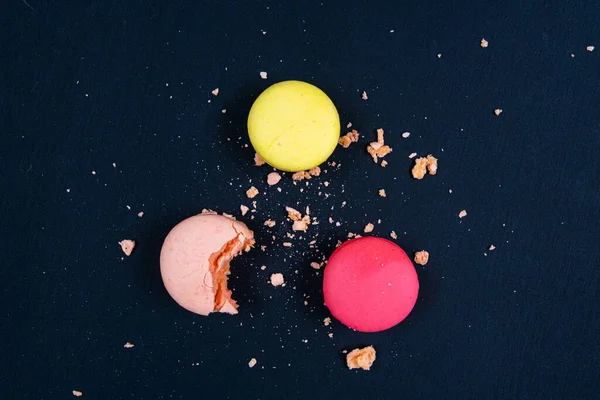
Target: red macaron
(370, 284)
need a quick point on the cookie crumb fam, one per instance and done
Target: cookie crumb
(244, 209)
(258, 160)
(382, 192)
(270, 223)
(412, 155)
(498, 111)
(316, 265)
(361, 358)
(273, 178)
(252, 362)
(590, 48)
(141, 214)
(364, 95)
(432, 164)
(462, 214)
(68, 190)
(484, 43)
(384, 163)
(215, 92)
(349, 125)
(77, 393)
(369, 227)
(378, 149)
(420, 168)
(287, 244)
(277, 279)
(405, 135)
(127, 246)
(439, 55)
(393, 235)
(348, 138)
(128, 345)
(252, 192)
(327, 321)
(492, 247)
(421, 257)
(263, 74)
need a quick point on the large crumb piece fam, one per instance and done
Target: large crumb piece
(252, 362)
(378, 149)
(361, 358)
(382, 192)
(300, 175)
(273, 178)
(462, 214)
(258, 160)
(484, 43)
(364, 95)
(270, 223)
(369, 227)
(421, 257)
(252, 192)
(316, 171)
(432, 164)
(127, 246)
(299, 222)
(244, 209)
(277, 279)
(128, 345)
(348, 138)
(420, 168)
(77, 393)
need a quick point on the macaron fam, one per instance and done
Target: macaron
(370, 284)
(294, 126)
(194, 261)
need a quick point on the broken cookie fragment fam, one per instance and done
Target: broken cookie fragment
(361, 358)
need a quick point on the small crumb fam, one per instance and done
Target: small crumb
(244, 209)
(498, 111)
(382, 192)
(316, 171)
(590, 48)
(449, 190)
(492, 247)
(215, 92)
(93, 172)
(364, 95)
(421, 257)
(348, 138)
(420, 169)
(384, 163)
(114, 165)
(252, 362)
(270, 223)
(141, 214)
(223, 111)
(263, 267)
(361, 358)
(432, 164)
(349, 125)
(128, 345)
(277, 279)
(68, 190)
(273, 178)
(127, 246)
(77, 393)
(484, 43)
(327, 321)
(258, 160)
(263, 74)
(412, 155)
(315, 265)
(252, 192)
(287, 244)
(393, 235)
(405, 135)
(572, 55)
(369, 228)
(462, 214)
(439, 55)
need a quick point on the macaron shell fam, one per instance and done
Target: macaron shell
(184, 259)
(370, 284)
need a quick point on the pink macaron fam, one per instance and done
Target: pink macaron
(370, 284)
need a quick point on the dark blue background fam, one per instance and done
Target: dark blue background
(85, 85)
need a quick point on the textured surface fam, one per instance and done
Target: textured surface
(128, 82)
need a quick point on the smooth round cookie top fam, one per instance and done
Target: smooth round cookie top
(370, 284)
(293, 126)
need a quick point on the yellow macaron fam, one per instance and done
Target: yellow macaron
(293, 126)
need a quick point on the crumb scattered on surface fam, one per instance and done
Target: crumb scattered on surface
(244, 209)
(316, 265)
(277, 279)
(348, 138)
(384, 163)
(361, 358)
(263, 74)
(369, 228)
(252, 192)
(492, 247)
(128, 345)
(141, 214)
(364, 95)
(393, 235)
(77, 393)
(462, 214)
(484, 43)
(590, 48)
(273, 178)
(412, 155)
(300, 175)
(439, 55)
(349, 125)
(127, 246)
(68, 190)
(432, 164)
(287, 244)
(270, 223)
(405, 135)
(215, 92)
(316, 171)
(420, 168)
(421, 257)
(382, 192)
(330, 335)
(93, 172)
(378, 149)
(263, 267)
(498, 111)
(327, 321)
(258, 160)
(252, 362)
